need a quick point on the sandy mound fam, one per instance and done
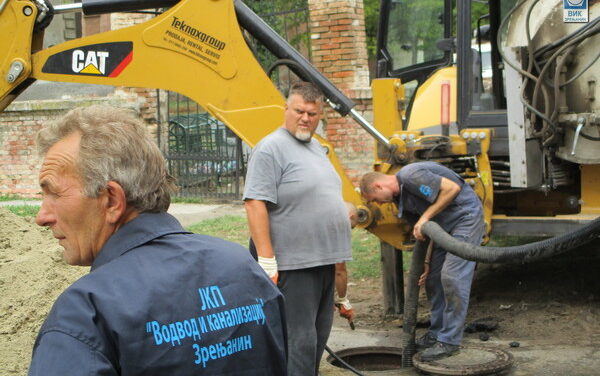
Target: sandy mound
(32, 275)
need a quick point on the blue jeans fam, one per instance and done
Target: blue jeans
(448, 285)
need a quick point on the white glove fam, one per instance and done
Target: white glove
(269, 265)
(346, 311)
(343, 302)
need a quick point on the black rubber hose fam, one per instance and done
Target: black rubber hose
(342, 362)
(522, 253)
(411, 300)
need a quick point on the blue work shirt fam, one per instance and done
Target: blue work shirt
(162, 301)
(419, 188)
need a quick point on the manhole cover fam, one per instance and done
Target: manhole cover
(472, 360)
(371, 358)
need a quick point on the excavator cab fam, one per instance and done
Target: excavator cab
(492, 67)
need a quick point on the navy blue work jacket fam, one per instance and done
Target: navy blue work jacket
(162, 301)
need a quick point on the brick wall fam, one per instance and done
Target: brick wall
(339, 50)
(18, 164)
(19, 123)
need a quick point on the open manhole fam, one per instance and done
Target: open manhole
(369, 358)
(471, 360)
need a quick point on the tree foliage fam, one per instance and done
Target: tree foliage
(371, 24)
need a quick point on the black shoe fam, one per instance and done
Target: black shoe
(438, 351)
(425, 342)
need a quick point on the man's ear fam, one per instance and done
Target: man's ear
(116, 203)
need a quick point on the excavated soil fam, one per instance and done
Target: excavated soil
(32, 275)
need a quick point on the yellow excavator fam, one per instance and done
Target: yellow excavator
(505, 93)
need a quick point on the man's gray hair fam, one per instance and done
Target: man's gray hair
(307, 90)
(115, 146)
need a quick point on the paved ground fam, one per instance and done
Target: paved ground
(192, 213)
(534, 357)
(186, 213)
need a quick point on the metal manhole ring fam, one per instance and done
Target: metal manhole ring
(369, 358)
(501, 360)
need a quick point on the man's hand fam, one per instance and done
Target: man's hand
(448, 191)
(417, 229)
(425, 274)
(269, 265)
(345, 308)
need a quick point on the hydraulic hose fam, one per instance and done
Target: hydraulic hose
(411, 299)
(522, 253)
(342, 362)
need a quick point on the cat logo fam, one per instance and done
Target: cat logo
(92, 62)
(100, 60)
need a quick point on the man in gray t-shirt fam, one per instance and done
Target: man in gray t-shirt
(299, 224)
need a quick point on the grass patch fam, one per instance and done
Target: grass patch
(14, 198)
(230, 227)
(365, 246)
(24, 210)
(366, 258)
(187, 200)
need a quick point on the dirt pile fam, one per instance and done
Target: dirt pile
(32, 275)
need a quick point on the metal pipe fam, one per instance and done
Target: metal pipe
(68, 8)
(3, 5)
(279, 47)
(580, 124)
(92, 7)
(369, 128)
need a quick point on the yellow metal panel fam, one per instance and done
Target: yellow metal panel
(348, 191)
(15, 44)
(195, 48)
(388, 93)
(590, 189)
(388, 227)
(482, 184)
(426, 110)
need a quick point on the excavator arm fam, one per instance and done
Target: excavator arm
(195, 48)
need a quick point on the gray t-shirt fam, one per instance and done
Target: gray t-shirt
(307, 215)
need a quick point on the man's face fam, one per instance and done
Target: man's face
(76, 221)
(302, 118)
(379, 194)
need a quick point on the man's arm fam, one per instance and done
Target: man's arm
(341, 286)
(448, 191)
(258, 221)
(59, 354)
(341, 279)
